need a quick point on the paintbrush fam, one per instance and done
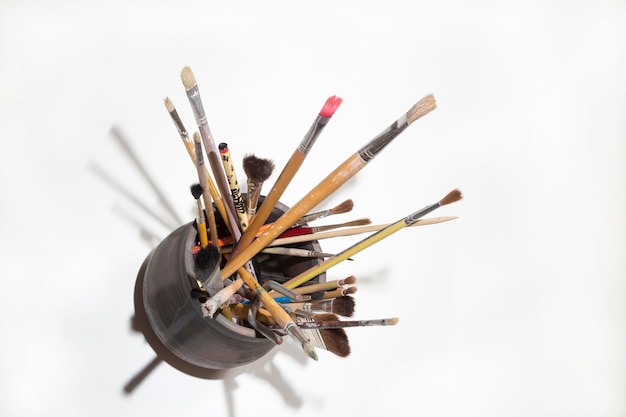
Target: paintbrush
(191, 151)
(353, 231)
(453, 196)
(233, 183)
(289, 171)
(204, 181)
(196, 192)
(343, 306)
(341, 208)
(325, 286)
(328, 185)
(180, 127)
(339, 292)
(334, 340)
(307, 230)
(342, 233)
(298, 252)
(193, 94)
(206, 267)
(257, 170)
(331, 321)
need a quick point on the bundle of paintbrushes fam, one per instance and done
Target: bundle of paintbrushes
(257, 262)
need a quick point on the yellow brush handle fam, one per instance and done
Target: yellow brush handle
(342, 256)
(204, 240)
(277, 312)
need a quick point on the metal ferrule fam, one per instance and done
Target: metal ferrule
(313, 133)
(413, 217)
(196, 104)
(369, 151)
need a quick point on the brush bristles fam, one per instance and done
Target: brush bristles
(331, 106)
(344, 306)
(453, 196)
(336, 341)
(344, 207)
(196, 190)
(169, 105)
(189, 80)
(359, 222)
(421, 108)
(348, 281)
(257, 169)
(206, 259)
(393, 321)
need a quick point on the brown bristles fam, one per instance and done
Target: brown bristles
(348, 281)
(421, 108)
(257, 169)
(189, 80)
(336, 341)
(451, 197)
(344, 306)
(344, 207)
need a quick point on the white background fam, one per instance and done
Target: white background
(514, 309)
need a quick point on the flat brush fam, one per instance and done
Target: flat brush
(451, 197)
(289, 171)
(331, 321)
(193, 94)
(342, 306)
(334, 340)
(330, 184)
(258, 170)
(196, 192)
(343, 207)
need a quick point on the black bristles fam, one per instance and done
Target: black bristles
(206, 260)
(257, 169)
(196, 190)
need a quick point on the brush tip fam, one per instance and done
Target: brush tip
(393, 321)
(421, 108)
(336, 341)
(344, 207)
(189, 80)
(451, 197)
(331, 106)
(350, 280)
(169, 105)
(206, 259)
(344, 306)
(196, 190)
(349, 290)
(257, 169)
